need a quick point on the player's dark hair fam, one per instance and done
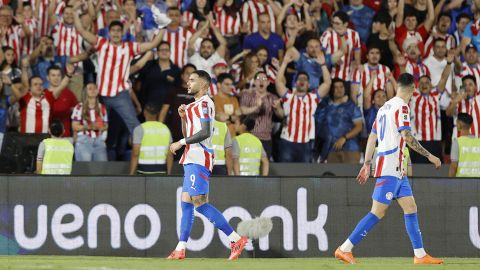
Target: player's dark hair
(343, 16)
(224, 76)
(462, 16)
(465, 118)
(152, 108)
(53, 67)
(115, 23)
(469, 77)
(405, 80)
(184, 68)
(302, 73)
(56, 128)
(248, 121)
(203, 75)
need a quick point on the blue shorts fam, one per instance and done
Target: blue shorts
(388, 188)
(195, 180)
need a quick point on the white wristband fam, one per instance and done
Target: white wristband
(183, 142)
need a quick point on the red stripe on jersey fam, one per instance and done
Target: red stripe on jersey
(379, 167)
(424, 114)
(396, 119)
(290, 119)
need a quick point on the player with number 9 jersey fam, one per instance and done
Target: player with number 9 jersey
(391, 119)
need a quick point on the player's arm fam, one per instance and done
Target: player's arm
(369, 150)
(169, 161)
(203, 134)
(413, 143)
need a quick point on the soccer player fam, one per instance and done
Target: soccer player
(197, 127)
(392, 130)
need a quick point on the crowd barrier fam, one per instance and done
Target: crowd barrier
(139, 216)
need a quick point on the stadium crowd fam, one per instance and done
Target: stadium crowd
(311, 74)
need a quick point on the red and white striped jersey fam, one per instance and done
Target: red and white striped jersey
(392, 118)
(43, 18)
(94, 118)
(178, 45)
(425, 116)
(362, 79)
(417, 70)
(300, 127)
(67, 40)
(473, 70)
(188, 17)
(330, 41)
(472, 107)
(449, 39)
(271, 72)
(35, 113)
(114, 65)
(28, 43)
(12, 39)
(250, 11)
(228, 25)
(200, 153)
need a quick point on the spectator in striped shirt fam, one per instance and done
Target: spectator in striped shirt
(90, 123)
(178, 37)
(114, 58)
(252, 9)
(407, 25)
(440, 31)
(342, 38)
(208, 56)
(466, 100)
(412, 63)
(198, 10)
(372, 103)
(299, 106)
(9, 69)
(470, 66)
(425, 113)
(13, 32)
(36, 103)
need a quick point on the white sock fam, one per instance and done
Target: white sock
(419, 252)
(181, 246)
(234, 237)
(347, 246)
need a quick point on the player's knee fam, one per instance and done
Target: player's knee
(199, 200)
(410, 208)
(378, 213)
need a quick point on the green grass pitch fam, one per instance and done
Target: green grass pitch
(123, 263)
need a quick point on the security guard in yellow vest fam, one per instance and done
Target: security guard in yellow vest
(465, 153)
(151, 140)
(222, 144)
(55, 155)
(249, 156)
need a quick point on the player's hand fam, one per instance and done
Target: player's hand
(364, 173)
(181, 111)
(175, 146)
(435, 161)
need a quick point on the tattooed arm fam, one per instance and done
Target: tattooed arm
(415, 145)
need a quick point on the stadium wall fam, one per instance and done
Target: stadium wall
(138, 216)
